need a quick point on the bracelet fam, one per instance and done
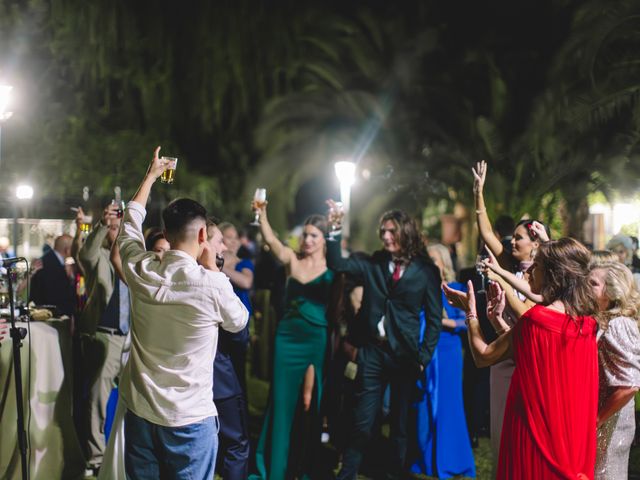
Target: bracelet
(469, 317)
(478, 212)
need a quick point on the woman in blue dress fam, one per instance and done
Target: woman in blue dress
(291, 428)
(443, 438)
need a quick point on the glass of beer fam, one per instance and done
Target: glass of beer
(85, 225)
(259, 201)
(170, 173)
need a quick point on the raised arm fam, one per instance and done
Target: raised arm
(484, 354)
(517, 305)
(353, 265)
(282, 252)
(78, 239)
(131, 239)
(89, 253)
(155, 169)
(485, 228)
(520, 284)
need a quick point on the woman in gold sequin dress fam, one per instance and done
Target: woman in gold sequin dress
(619, 359)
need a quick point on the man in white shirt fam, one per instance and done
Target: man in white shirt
(177, 305)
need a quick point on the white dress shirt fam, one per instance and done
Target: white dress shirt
(176, 309)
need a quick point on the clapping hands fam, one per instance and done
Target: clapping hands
(495, 302)
(464, 300)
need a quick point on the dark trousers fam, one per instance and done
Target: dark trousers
(233, 453)
(376, 369)
(238, 354)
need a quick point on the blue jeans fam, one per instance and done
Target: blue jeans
(156, 452)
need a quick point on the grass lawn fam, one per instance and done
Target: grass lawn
(259, 391)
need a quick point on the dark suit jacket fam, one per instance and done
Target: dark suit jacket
(418, 288)
(225, 379)
(51, 286)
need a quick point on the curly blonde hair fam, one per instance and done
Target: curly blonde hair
(620, 288)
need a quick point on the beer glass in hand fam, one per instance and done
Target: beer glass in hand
(85, 224)
(259, 201)
(83, 221)
(170, 173)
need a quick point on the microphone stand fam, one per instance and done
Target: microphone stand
(17, 335)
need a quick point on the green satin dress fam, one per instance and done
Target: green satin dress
(300, 341)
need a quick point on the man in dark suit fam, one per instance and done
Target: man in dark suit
(228, 395)
(399, 281)
(52, 284)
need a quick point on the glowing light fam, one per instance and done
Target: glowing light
(5, 97)
(24, 192)
(346, 172)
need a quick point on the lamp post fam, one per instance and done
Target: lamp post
(24, 193)
(5, 95)
(346, 173)
(5, 114)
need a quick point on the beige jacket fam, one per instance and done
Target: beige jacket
(99, 278)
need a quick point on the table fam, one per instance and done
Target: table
(55, 451)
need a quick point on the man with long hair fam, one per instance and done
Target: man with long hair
(399, 281)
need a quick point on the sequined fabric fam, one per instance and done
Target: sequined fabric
(619, 358)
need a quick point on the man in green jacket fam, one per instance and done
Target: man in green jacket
(103, 326)
(399, 281)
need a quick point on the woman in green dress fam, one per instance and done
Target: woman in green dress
(299, 355)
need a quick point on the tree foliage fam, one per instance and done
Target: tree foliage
(250, 93)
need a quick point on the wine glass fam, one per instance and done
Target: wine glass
(259, 201)
(480, 268)
(117, 200)
(335, 215)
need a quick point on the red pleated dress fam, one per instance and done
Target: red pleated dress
(549, 429)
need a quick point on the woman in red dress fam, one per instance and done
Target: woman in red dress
(549, 428)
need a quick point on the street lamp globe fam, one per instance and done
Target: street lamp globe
(24, 192)
(346, 172)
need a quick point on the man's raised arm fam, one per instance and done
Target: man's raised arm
(131, 238)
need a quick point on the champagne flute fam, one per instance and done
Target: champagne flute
(117, 200)
(259, 201)
(335, 215)
(480, 268)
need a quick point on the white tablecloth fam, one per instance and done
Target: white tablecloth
(55, 452)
